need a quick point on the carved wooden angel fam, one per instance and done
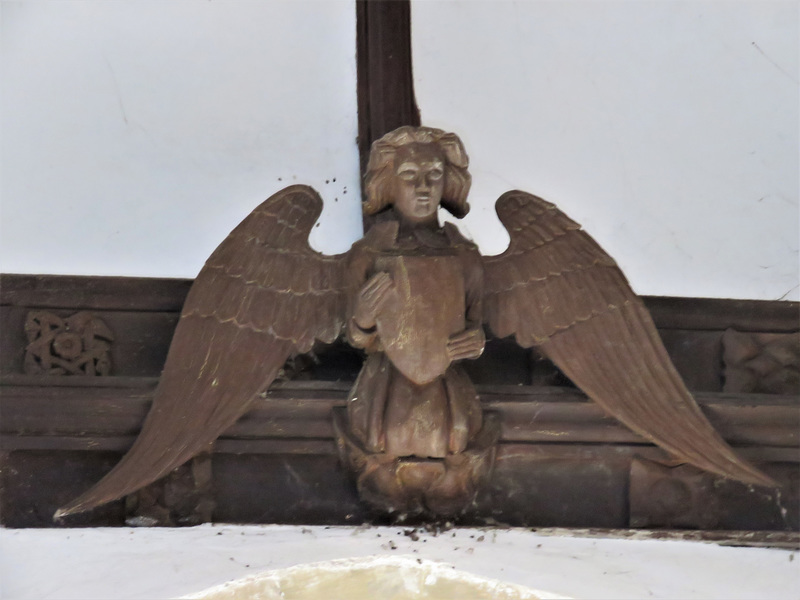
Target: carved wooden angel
(416, 296)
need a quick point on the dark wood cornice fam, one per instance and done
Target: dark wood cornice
(165, 294)
(560, 460)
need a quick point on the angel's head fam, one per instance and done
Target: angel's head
(415, 169)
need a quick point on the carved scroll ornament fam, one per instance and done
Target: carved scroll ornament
(415, 296)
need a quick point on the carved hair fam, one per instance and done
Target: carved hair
(380, 168)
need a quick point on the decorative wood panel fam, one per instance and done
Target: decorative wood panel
(561, 461)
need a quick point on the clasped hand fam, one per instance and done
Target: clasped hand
(466, 344)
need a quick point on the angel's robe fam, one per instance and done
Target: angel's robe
(388, 412)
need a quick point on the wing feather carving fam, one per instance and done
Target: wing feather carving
(262, 296)
(555, 288)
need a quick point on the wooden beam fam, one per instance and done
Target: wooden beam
(385, 79)
(150, 294)
(99, 417)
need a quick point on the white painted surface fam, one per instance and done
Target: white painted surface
(668, 129)
(138, 133)
(40, 564)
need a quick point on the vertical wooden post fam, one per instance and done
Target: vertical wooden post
(385, 80)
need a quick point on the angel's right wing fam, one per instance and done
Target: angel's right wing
(555, 288)
(262, 296)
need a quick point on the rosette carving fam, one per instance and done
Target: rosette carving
(76, 345)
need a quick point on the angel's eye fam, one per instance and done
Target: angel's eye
(436, 174)
(407, 175)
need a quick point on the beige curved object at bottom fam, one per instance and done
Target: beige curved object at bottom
(388, 578)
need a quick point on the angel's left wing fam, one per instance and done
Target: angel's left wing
(557, 289)
(262, 296)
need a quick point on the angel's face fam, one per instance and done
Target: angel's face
(418, 182)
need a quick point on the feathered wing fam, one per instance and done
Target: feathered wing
(262, 296)
(557, 289)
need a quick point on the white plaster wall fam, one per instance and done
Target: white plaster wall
(669, 129)
(137, 133)
(167, 563)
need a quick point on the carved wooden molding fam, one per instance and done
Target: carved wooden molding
(560, 461)
(106, 414)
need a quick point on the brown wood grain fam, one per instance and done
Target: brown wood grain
(108, 416)
(385, 80)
